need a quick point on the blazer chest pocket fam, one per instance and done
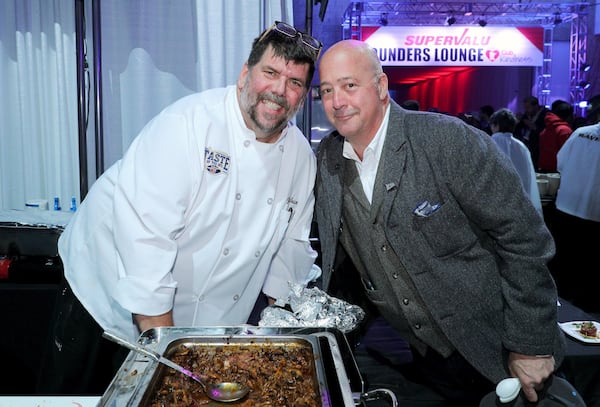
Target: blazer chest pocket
(446, 230)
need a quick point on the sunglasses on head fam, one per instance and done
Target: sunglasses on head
(290, 31)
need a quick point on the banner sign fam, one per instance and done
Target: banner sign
(456, 45)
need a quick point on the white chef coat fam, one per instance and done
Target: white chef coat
(197, 217)
(520, 156)
(578, 162)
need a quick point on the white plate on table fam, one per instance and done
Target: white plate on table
(571, 328)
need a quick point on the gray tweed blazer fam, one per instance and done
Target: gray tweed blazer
(466, 232)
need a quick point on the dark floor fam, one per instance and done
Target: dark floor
(378, 355)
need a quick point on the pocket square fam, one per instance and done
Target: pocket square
(425, 209)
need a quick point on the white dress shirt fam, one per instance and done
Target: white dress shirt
(367, 167)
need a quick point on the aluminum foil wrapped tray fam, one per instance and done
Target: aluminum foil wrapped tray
(312, 307)
(336, 380)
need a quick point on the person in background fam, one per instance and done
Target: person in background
(530, 126)
(411, 105)
(502, 123)
(211, 205)
(485, 112)
(449, 251)
(469, 119)
(576, 226)
(557, 131)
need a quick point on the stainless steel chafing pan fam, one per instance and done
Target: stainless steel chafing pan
(337, 377)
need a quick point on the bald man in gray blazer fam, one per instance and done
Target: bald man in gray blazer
(447, 244)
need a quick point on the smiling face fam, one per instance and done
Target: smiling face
(270, 93)
(354, 91)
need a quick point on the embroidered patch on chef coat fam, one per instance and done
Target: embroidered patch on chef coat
(216, 162)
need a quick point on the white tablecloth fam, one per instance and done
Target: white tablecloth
(49, 401)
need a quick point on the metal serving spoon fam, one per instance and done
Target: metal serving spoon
(223, 392)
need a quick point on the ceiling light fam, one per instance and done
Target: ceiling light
(585, 67)
(557, 19)
(584, 85)
(383, 19)
(468, 9)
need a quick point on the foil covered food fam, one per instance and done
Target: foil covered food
(312, 307)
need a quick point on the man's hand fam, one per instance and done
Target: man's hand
(145, 322)
(531, 371)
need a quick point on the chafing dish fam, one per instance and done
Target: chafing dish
(339, 380)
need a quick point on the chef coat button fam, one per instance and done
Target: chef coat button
(405, 301)
(236, 297)
(270, 201)
(281, 148)
(384, 248)
(395, 276)
(417, 326)
(246, 143)
(238, 196)
(226, 252)
(257, 253)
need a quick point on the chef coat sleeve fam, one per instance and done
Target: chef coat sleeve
(154, 186)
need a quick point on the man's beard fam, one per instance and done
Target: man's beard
(250, 107)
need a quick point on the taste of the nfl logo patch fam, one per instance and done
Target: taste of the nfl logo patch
(216, 162)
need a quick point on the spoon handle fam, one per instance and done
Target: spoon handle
(154, 355)
(132, 346)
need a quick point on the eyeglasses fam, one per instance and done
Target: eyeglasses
(289, 31)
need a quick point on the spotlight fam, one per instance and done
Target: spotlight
(482, 22)
(383, 19)
(584, 85)
(586, 67)
(450, 20)
(468, 9)
(557, 19)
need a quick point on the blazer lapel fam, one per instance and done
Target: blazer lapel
(393, 157)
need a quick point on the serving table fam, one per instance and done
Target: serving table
(581, 366)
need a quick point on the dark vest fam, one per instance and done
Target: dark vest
(386, 282)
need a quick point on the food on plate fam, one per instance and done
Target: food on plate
(588, 329)
(278, 374)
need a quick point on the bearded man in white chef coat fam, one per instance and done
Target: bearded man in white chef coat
(210, 206)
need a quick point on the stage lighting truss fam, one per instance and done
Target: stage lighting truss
(432, 12)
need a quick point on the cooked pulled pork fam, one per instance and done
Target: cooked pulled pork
(278, 375)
